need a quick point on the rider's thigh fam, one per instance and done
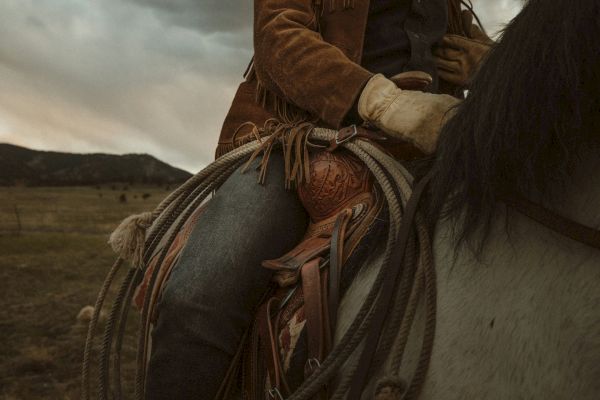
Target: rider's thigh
(218, 281)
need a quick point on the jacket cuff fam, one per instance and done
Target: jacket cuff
(344, 111)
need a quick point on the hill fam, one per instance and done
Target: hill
(23, 166)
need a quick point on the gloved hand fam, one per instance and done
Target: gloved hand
(459, 57)
(413, 116)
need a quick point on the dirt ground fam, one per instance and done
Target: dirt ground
(53, 259)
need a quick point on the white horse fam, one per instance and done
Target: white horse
(522, 320)
(519, 319)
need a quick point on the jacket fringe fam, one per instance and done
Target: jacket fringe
(294, 142)
(341, 4)
(286, 114)
(282, 109)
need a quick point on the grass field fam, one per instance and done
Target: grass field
(53, 258)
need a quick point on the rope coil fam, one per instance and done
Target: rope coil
(138, 238)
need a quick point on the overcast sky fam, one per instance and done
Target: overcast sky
(122, 76)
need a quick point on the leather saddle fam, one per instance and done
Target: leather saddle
(342, 202)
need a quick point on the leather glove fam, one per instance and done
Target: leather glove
(459, 57)
(413, 116)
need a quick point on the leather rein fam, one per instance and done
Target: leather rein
(555, 222)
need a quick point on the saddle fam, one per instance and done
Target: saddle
(342, 202)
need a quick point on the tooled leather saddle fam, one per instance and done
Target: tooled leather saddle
(342, 203)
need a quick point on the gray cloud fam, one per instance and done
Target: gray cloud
(119, 76)
(113, 76)
(207, 16)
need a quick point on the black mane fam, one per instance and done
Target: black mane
(533, 105)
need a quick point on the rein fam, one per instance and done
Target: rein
(386, 296)
(555, 222)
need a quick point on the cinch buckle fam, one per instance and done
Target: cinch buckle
(354, 133)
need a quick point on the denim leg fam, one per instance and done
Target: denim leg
(209, 299)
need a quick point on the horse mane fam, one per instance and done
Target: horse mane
(532, 107)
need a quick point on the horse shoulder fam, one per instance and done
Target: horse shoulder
(521, 321)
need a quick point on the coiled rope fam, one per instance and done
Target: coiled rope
(169, 217)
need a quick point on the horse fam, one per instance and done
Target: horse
(518, 313)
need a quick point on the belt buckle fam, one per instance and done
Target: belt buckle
(354, 133)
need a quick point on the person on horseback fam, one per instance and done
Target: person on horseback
(333, 64)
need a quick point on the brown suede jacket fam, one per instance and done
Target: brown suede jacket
(306, 60)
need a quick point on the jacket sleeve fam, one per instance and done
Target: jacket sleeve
(293, 61)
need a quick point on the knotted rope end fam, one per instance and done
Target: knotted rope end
(129, 237)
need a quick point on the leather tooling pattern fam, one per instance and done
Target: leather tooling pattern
(335, 179)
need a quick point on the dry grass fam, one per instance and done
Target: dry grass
(72, 210)
(52, 263)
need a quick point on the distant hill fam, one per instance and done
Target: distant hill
(22, 166)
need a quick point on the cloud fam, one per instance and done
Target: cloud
(114, 76)
(207, 16)
(119, 76)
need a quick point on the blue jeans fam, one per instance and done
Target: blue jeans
(210, 298)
